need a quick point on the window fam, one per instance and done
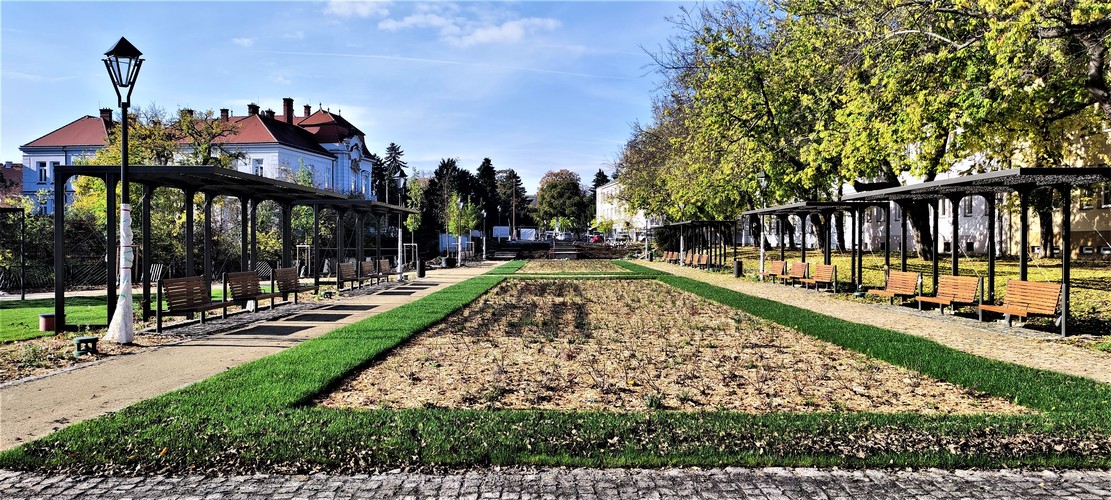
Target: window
(896, 212)
(1106, 196)
(257, 164)
(42, 172)
(1087, 250)
(946, 247)
(943, 207)
(969, 246)
(966, 204)
(1087, 198)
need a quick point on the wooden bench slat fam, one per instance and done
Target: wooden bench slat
(823, 274)
(1025, 298)
(184, 296)
(899, 284)
(952, 290)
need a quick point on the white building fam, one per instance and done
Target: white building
(609, 206)
(272, 145)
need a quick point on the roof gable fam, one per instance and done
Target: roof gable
(84, 131)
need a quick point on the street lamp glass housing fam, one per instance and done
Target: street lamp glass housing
(123, 62)
(762, 179)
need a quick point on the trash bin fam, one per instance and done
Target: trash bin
(738, 268)
(46, 322)
(420, 268)
(651, 256)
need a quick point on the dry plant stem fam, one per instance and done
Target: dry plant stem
(627, 345)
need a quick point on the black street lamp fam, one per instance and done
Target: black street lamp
(123, 62)
(762, 181)
(400, 180)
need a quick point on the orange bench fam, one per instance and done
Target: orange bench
(774, 269)
(1026, 298)
(823, 273)
(899, 284)
(185, 296)
(796, 272)
(953, 290)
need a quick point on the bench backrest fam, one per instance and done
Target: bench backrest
(798, 269)
(366, 268)
(903, 282)
(184, 292)
(346, 270)
(703, 259)
(775, 267)
(384, 266)
(286, 278)
(243, 284)
(824, 273)
(1037, 297)
(958, 288)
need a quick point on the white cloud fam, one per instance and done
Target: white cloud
(280, 77)
(507, 32)
(357, 8)
(458, 30)
(243, 42)
(296, 35)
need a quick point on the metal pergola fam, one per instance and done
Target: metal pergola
(707, 236)
(22, 242)
(1022, 181)
(211, 182)
(824, 208)
(361, 208)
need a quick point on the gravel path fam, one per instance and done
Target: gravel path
(990, 339)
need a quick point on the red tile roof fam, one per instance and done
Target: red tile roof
(12, 183)
(258, 129)
(84, 131)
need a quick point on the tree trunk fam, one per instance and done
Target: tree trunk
(821, 228)
(918, 215)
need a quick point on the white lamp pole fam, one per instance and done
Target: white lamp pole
(762, 180)
(400, 180)
(123, 62)
(459, 237)
(484, 234)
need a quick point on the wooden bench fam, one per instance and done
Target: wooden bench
(703, 261)
(368, 273)
(288, 283)
(823, 273)
(385, 268)
(953, 290)
(345, 273)
(797, 271)
(1026, 298)
(185, 296)
(899, 284)
(774, 269)
(243, 287)
(671, 257)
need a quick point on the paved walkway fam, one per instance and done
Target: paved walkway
(989, 340)
(40, 406)
(560, 483)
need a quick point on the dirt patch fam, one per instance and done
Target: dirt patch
(635, 345)
(571, 266)
(30, 358)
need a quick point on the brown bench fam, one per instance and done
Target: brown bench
(345, 273)
(243, 287)
(1026, 298)
(953, 290)
(703, 260)
(796, 271)
(385, 268)
(823, 273)
(774, 269)
(899, 284)
(185, 296)
(288, 283)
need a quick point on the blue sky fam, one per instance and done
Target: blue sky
(535, 86)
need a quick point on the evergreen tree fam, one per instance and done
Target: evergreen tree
(487, 186)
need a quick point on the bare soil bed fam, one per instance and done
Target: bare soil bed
(571, 266)
(39, 356)
(635, 345)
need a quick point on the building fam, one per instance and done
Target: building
(11, 181)
(327, 145)
(610, 208)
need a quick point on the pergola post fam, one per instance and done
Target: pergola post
(253, 262)
(782, 246)
(111, 224)
(886, 210)
(208, 199)
(860, 249)
(937, 251)
(148, 194)
(340, 250)
(990, 210)
(803, 217)
(903, 236)
(190, 262)
(359, 243)
(852, 249)
(827, 253)
(1066, 253)
(244, 214)
(60, 257)
(955, 201)
(287, 234)
(316, 244)
(1023, 232)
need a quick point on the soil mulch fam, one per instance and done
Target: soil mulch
(43, 355)
(636, 345)
(571, 266)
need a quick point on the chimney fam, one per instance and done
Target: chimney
(270, 114)
(287, 109)
(224, 114)
(308, 110)
(252, 109)
(106, 115)
(187, 112)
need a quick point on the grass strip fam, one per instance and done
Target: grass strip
(257, 418)
(509, 267)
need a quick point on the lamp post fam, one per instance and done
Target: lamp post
(123, 62)
(483, 234)
(400, 180)
(762, 180)
(682, 250)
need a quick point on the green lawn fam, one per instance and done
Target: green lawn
(258, 417)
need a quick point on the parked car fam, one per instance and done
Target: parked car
(597, 238)
(565, 236)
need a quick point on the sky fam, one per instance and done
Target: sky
(534, 86)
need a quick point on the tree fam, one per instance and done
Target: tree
(600, 179)
(561, 195)
(205, 133)
(512, 197)
(416, 188)
(486, 186)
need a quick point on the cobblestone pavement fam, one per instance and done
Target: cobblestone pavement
(770, 483)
